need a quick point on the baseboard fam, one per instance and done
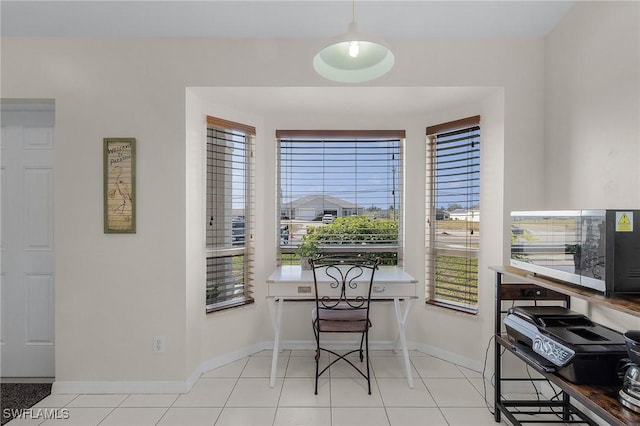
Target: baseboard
(455, 358)
(87, 387)
(225, 359)
(152, 386)
(177, 386)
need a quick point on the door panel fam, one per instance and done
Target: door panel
(38, 209)
(27, 241)
(38, 313)
(38, 137)
(3, 312)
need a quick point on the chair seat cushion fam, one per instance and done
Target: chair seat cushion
(340, 320)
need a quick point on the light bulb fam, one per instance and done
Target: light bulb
(354, 49)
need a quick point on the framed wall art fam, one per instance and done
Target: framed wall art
(119, 165)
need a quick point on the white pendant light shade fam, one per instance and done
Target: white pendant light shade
(353, 58)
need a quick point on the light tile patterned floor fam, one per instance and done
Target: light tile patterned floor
(239, 394)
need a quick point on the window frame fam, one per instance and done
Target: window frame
(352, 136)
(226, 243)
(435, 254)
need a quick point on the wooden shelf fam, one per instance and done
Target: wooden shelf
(601, 400)
(630, 305)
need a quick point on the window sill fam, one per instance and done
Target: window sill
(229, 305)
(452, 308)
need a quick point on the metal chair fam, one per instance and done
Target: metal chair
(343, 295)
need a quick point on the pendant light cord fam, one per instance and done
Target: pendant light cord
(353, 11)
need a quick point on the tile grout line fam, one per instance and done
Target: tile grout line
(384, 405)
(232, 389)
(275, 413)
(288, 363)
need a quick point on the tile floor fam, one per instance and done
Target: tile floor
(239, 394)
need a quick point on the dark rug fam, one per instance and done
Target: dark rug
(19, 396)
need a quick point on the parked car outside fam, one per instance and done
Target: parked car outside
(327, 218)
(237, 230)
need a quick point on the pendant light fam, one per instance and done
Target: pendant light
(353, 57)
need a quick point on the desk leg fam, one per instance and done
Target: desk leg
(401, 320)
(276, 318)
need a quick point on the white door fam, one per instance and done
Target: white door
(27, 249)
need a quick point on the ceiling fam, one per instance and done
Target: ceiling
(299, 19)
(279, 19)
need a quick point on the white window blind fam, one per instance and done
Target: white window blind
(229, 236)
(342, 189)
(453, 206)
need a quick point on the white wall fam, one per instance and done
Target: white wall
(592, 108)
(115, 292)
(592, 117)
(217, 336)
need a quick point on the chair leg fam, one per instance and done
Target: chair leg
(363, 351)
(367, 356)
(317, 333)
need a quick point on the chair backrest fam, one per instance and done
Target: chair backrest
(343, 281)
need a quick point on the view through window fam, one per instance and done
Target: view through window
(453, 220)
(340, 191)
(229, 239)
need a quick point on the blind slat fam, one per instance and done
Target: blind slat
(463, 123)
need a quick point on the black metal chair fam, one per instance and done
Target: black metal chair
(343, 295)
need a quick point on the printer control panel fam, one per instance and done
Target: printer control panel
(550, 349)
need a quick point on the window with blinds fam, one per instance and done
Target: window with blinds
(342, 191)
(229, 236)
(453, 220)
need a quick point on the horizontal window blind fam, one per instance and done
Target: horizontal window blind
(226, 281)
(342, 190)
(453, 223)
(229, 237)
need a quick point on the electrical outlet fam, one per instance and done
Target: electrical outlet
(533, 292)
(158, 344)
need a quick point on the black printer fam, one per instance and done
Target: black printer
(557, 339)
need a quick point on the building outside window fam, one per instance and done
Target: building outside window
(229, 228)
(453, 214)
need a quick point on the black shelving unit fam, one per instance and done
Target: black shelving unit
(600, 400)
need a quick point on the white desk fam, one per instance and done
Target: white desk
(290, 282)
